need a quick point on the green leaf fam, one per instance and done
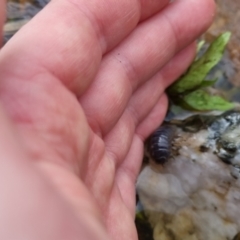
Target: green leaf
(200, 100)
(201, 67)
(207, 83)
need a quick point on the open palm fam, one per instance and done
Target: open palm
(81, 87)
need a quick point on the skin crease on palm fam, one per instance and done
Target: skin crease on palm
(81, 87)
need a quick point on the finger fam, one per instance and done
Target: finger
(2, 18)
(149, 8)
(139, 57)
(153, 119)
(130, 167)
(127, 173)
(121, 227)
(119, 139)
(68, 38)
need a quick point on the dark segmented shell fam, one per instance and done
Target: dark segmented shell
(159, 145)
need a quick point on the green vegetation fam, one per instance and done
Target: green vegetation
(190, 89)
(201, 100)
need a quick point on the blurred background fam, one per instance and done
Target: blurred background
(19, 12)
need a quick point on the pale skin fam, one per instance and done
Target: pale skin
(81, 88)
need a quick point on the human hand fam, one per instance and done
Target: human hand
(82, 86)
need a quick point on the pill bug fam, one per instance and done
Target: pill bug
(159, 144)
